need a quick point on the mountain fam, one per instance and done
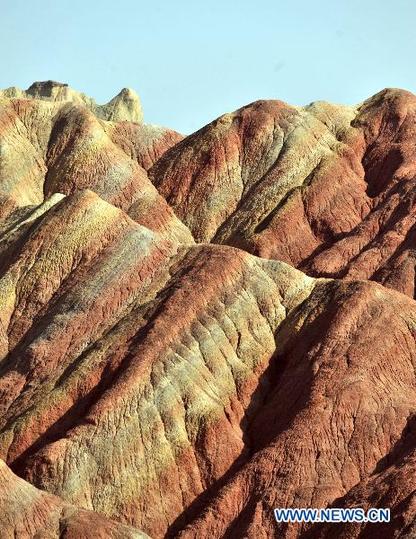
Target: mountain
(197, 330)
(124, 106)
(329, 189)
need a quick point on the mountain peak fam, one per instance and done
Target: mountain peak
(125, 106)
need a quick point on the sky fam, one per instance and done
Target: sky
(192, 61)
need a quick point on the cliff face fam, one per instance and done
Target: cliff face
(191, 331)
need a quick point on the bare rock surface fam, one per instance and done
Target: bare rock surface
(194, 331)
(392, 485)
(27, 512)
(327, 188)
(124, 106)
(58, 144)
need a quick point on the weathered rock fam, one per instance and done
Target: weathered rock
(59, 145)
(329, 189)
(104, 376)
(392, 485)
(338, 406)
(124, 106)
(144, 143)
(118, 295)
(27, 512)
(186, 390)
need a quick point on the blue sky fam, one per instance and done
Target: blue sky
(192, 61)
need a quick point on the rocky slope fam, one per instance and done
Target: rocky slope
(329, 189)
(29, 512)
(124, 106)
(164, 367)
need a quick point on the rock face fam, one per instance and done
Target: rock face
(29, 512)
(326, 188)
(190, 329)
(57, 144)
(124, 106)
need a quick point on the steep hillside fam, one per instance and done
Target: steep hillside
(329, 189)
(190, 329)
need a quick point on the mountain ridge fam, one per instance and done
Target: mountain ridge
(196, 330)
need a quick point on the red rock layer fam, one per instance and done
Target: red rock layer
(391, 485)
(138, 379)
(329, 189)
(339, 407)
(142, 142)
(27, 512)
(148, 383)
(62, 146)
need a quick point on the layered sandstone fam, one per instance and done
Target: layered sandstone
(165, 368)
(124, 106)
(327, 188)
(60, 145)
(28, 512)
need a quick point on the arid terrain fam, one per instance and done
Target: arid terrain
(197, 330)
